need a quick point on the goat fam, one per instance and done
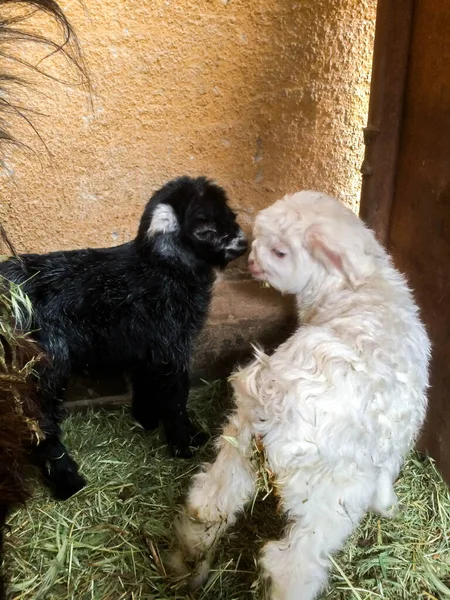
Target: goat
(335, 408)
(136, 307)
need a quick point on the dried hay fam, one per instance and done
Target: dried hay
(107, 542)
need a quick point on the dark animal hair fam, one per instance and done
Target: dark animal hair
(19, 410)
(135, 307)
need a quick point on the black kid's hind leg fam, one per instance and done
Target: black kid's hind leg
(59, 470)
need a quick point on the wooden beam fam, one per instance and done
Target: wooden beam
(96, 403)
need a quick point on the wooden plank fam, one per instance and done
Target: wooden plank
(382, 134)
(420, 219)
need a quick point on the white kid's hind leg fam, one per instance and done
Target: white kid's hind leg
(297, 565)
(385, 501)
(214, 501)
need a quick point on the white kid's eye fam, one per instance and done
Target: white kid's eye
(278, 253)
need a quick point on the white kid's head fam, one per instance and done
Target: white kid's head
(309, 239)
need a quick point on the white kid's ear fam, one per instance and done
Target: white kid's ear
(333, 255)
(164, 220)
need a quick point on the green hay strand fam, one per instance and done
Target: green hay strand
(108, 542)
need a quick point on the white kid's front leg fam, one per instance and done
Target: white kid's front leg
(215, 498)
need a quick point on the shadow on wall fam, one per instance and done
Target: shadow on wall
(266, 97)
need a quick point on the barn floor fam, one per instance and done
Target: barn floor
(107, 542)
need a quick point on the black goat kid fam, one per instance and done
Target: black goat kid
(136, 307)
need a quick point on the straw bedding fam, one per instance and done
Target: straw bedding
(109, 541)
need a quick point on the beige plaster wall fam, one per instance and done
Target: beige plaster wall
(266, 96)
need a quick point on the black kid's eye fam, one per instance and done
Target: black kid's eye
(204, 233)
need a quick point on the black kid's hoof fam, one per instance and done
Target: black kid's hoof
(66, 485)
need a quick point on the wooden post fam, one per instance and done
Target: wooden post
(382, 134)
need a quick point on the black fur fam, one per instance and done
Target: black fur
(135, 307)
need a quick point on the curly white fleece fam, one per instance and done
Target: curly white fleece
(337, 406)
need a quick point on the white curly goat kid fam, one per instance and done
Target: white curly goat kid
(336, 407)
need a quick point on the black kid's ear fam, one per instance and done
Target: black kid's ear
(163, 220)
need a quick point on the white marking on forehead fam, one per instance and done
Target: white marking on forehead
(164, 220)
(274, 221)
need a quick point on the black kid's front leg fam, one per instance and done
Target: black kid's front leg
(182, 437)
(144, 404)
(163, 397)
